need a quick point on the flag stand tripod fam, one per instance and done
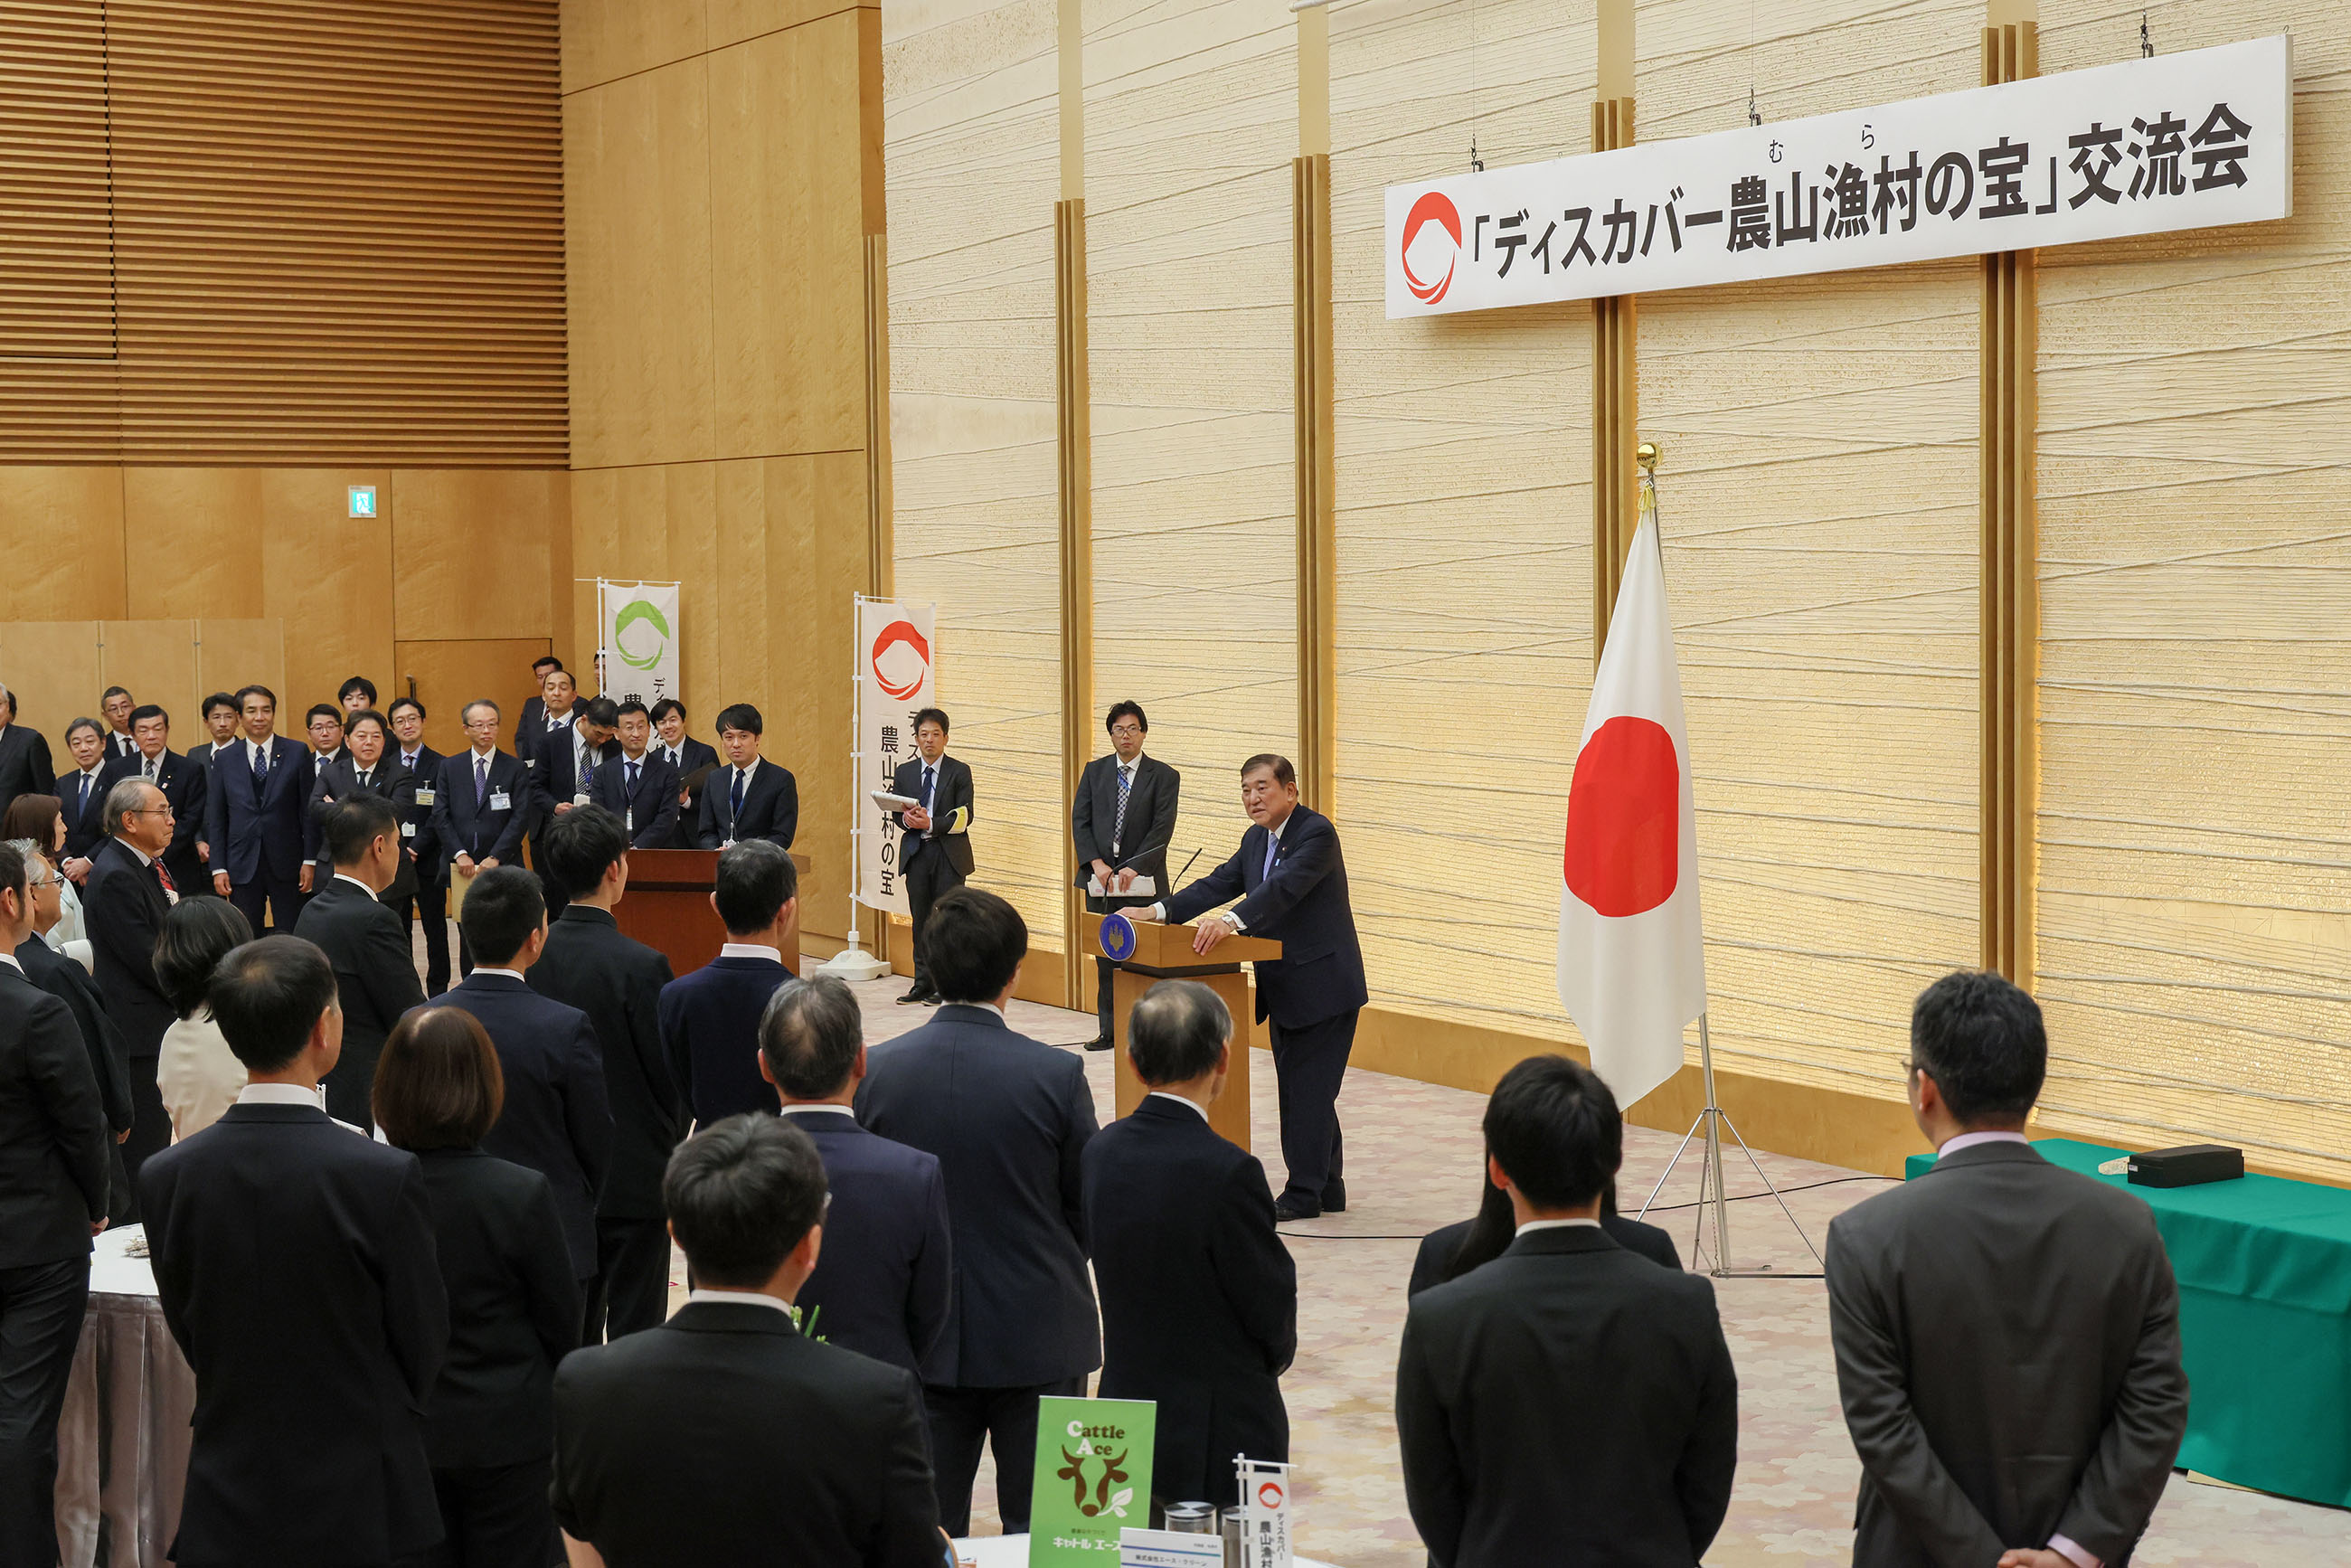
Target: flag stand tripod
(1710, 1177)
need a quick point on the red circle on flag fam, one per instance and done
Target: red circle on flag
(1624, 817)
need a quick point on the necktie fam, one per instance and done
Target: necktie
(260, 769)
(1272, 844)
(165, 877)
(481, 780)
(734, 800)
(149, 770)
(930, 776)
(632, 782)
(364, 774)
(1118, 822)
(81, 797)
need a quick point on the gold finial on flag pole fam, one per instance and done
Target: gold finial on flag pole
(1647, 455)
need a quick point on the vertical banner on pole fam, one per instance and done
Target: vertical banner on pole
(1265, 1514)
(637, 641)
(895, 676)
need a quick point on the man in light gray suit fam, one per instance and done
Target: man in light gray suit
(2007, 1333)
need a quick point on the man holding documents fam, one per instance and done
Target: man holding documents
(1122, 819)
(934, 856)
(1292, 883)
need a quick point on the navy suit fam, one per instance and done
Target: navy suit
(481, 829)
(124, 907)
(1009, 1119)
(881, 1284)
(557, 1119)
(183, 781)
(428, 899)
(936, 861)
(1311, 995)
(771, 807)
(375, 983)
(1199, 1298)
(554, 770)
(84, 810)
(260, 833)
(710, 1027)
(650, 811)
(689, 757)
(25, 766)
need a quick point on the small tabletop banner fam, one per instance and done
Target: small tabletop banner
(1093, 1479)
(1265, 1514)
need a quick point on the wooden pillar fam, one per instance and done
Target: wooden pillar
(2011, 601)
(1615, 411)
(1318, 578)
(1073, 396)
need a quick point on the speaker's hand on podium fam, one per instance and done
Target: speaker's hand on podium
(1211, 931)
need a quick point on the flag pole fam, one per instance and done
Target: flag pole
(1712, 1170)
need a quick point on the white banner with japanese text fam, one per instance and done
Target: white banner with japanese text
(2174, 142)
(636, 640)
(894, 681)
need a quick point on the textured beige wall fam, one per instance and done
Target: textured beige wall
(2195, 669)
(972, 144)
(1464, 523)
(1819, 493)
(1191, 120)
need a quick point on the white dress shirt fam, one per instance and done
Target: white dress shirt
(1532, 1225)
(738, 1299)
(750, 950)
(1188, 1104)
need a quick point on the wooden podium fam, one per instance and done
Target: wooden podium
(1164, 952)
(667, 905)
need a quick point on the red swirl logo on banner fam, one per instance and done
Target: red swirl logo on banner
(1436, 209)
(899, 680)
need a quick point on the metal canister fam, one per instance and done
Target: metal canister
(1191, 1517)
(1236, 1541)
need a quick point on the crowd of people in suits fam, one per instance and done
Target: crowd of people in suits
(451, 1342)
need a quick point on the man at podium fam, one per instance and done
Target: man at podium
(1291, 882)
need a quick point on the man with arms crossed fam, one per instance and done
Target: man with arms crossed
(2007, 1333)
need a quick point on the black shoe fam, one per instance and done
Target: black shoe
(1101, 1042)
(1335, 1198)
(917, 994)
(932, 999)
(1284, 1211)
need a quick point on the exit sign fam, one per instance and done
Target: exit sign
(363, 500)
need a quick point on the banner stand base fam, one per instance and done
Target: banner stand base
(852, 963)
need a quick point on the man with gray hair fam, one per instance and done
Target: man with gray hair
(881, 1288)
(1199, 1298)
(25, 765)
(123, 906)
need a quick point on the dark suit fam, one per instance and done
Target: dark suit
(726, 1437)
(1009, 1119)
(1311, 994)
(183, 783)
(555, 777)
(881, 1284)
(2007, 1340)
(480, 828)
(70, 984)
(531, 723)
(650, 811)
(53, 1187)
(513, 1313)
(296, 1264)
(83, 806)
(1199, 1298)
(25, 766)
(771, 807)
(710, 1032)
(119, 743)
(556, 1119)
(617, 982)
(429, 900)
(122, 913)
(375, 979)
(1569, 1402)
(689, 757)
(1437, 1248)
(338, 780)
(936, 861)
(1100, 834)
(261, 839)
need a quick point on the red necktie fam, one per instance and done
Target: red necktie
(165, 877)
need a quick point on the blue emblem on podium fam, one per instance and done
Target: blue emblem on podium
(1117, 937)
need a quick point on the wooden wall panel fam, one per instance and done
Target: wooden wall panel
(607, 39)
(330, 576)
(448, 676)
(733, 21)
(155, 661)
(638, 221)
(232, 654)
(474, 553)
(188, 538)
(787, 304)
(57, 238)
(334, 231)
(61, 532)
(51, 668)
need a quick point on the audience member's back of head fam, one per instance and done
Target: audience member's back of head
(354, 822)
(755, 879)
(1554, 1128)
(1980, 1039)
(267, 996)
(15, 877)
(437, 1084)
(581, 845)
(34, 817)
(740, 1195)
(198, 933)
(976, 941)
(1176, 1031)
(502, 906)
(809, 1035)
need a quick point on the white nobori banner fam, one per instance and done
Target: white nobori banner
(2146, 146)
(895, 676)
(637, 641)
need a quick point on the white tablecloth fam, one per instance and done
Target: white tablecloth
(122, 1444)
(1012, 1551)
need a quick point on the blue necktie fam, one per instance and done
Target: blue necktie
(735, 800)
(1272, 845)
(633, 782)
(260, 770)
(481, 780)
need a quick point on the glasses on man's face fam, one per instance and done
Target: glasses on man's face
(1124, 731)
(152, 812)
(39, 883)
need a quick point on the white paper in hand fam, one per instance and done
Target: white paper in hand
(1143, 887)
(889, 802)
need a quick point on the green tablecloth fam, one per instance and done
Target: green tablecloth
(2264, 1269)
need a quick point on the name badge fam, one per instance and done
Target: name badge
(729, 844)
(407, 830)
(581, 799)
(425, 797)
(632, 815)
(500, 801)
(530, 762)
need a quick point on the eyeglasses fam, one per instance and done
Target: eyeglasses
(37, 883)
(151, 811)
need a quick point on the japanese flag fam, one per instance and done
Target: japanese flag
(1632, 957)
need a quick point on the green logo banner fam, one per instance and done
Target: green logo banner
(1093, 1479)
